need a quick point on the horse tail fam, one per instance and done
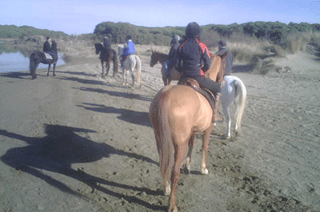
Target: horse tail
(138, 67)
(165, 145)
(115, 62)
(241, 93)
(33, 63)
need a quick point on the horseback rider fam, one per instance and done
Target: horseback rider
(229, 58)
(191, 55)
(128, 49)
(169, 64)
(46, 45)
(106, 43)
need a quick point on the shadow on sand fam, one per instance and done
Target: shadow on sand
(134, 117)
(61, 148)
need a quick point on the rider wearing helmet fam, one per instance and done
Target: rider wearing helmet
(46, 45)
(106, 42)
(169, 64)
(191, 55)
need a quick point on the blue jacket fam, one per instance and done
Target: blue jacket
(130, 49)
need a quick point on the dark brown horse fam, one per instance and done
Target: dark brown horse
(177, 112)
(38, 57)
(107, 56)
(161, 57)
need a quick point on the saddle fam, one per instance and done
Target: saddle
(204, 91)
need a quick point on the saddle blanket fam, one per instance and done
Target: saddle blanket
(48, 56)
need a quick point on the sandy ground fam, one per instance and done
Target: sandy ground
(77, 142)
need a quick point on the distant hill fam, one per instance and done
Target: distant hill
(12, 31)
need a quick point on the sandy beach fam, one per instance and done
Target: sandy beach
(78, 142)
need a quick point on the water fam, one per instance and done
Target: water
(16, 61)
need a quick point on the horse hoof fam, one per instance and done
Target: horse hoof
(204, 171)
(186, 169)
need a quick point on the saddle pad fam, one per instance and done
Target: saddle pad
(48, 56)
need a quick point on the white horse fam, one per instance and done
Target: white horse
(233, 92)
(130, 64)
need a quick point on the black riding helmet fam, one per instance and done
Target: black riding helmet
(193, 30)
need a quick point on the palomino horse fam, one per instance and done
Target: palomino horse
(38, 57)
(173, 73)
(233, 92)
(177, 112)
(131, 63)
(107, 56)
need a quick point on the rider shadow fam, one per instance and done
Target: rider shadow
(118, 94)
(57, 151)
(134, 117)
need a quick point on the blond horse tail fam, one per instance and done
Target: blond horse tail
(241, 94)
(165, 146)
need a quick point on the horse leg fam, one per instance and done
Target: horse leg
(180, 151)
(228, 120)
(205, 149)
(102, 74)
(54, 69)
(188, 159)
(107, 68)
(132, 76)
(124, 77)
(48, 69)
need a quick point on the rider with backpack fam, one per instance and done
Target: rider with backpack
(192, 57)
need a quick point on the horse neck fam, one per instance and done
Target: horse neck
(216, 70)
(161, 57)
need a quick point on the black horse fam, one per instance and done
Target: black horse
(39, 57)
(107, 56)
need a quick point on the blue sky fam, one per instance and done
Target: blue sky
(80, 16)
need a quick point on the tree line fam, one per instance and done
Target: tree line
(12, 31)
(274, 32)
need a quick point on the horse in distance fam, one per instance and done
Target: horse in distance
(107, 56)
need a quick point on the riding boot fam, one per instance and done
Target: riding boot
(216, 110)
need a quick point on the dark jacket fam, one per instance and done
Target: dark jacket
(190, 56)
(46, 46)
(229, 60)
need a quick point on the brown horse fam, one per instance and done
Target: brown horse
(177, 112)
(173, 73)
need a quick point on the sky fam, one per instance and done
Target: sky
(76, 17)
